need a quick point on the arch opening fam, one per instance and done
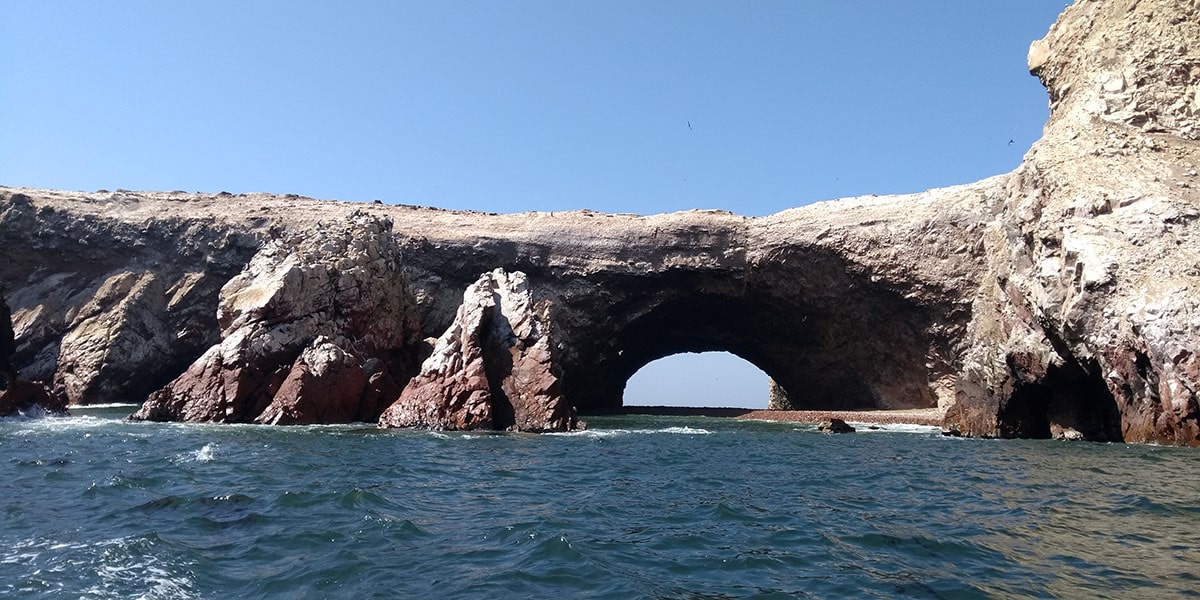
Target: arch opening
(696, 381)
(868, 349)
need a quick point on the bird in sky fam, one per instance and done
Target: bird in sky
(689, 125)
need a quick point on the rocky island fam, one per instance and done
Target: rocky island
(1058, 300)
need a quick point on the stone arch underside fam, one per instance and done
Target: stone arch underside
(831, 338)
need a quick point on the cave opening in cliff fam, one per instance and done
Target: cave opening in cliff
(1071, 401)
(696, 382)
(864, 352)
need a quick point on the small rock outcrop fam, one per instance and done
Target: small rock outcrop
(31, 399)
(491, 369)
(835, 426)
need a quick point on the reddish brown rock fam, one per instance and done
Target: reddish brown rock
(381, 390)
(297, 324)
(227, 384)
(325, 385)
(26, 397)
(492, 369)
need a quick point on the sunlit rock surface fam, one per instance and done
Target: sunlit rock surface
(493, 368)
(1085, 324)
(1057, 300)
(299, 326)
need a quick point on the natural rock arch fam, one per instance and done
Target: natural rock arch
(870, 348)
(1058, 297)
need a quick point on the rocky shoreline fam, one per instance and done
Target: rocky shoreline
(929, 417)
(1054, 301)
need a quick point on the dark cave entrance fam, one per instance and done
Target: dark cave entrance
(1071, 401)
(497, 345)
(847, 352)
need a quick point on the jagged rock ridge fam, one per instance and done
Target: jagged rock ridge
(1057, 300)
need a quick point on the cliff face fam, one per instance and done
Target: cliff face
(1085, 323)
(1054, 300)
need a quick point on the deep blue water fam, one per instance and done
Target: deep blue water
(639, 507)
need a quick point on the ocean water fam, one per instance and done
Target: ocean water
(637, 507)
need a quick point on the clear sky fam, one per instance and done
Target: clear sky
(637, 106)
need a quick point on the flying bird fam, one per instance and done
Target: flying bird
(1010, 142)
(689, 125)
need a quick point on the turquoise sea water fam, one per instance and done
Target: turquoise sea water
(638, 507)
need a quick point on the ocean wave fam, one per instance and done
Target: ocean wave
(866, 427)
(895, 428)
(124, 567)
(206, 453)
(590, 433)
(603, 433)
(682, 431)
(51, 424)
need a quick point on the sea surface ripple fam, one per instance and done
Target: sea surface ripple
(637, 507)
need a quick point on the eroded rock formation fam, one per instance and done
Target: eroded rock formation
(1085, 325)
(1057, 300)
(18, 396)
(491, 369)
(301, 326)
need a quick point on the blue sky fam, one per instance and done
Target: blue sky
(615, 105)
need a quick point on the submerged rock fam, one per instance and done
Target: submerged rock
(835, 426)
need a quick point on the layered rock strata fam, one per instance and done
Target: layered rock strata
(1055, 301)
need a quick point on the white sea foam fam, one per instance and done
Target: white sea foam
(682, 431)
(603, 433)
(205, 453)
(894, 427)
(40, 425)
(125, 567)
(589, 433)
(864, 427)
